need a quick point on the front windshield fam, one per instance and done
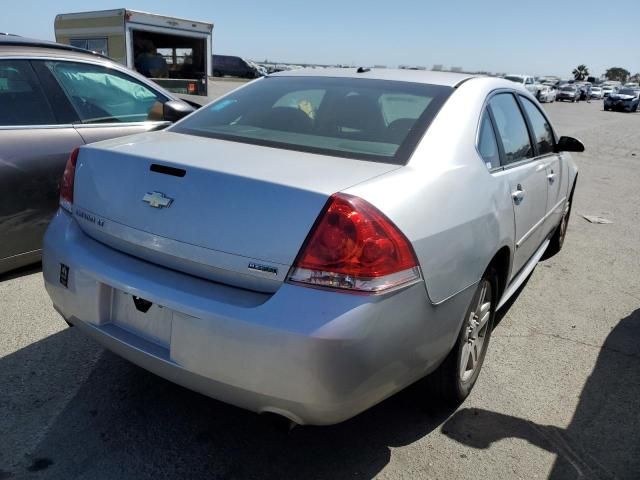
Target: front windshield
(568, 89)
(366, 119)
(627, 91)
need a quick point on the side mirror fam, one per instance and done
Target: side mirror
(174, 110)
(569, 144)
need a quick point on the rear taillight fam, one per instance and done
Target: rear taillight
(354, 247)
(66, 186)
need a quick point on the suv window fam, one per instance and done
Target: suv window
(511, 128)
(541, 128)
(487, 143)
(22, 100)
(103, 95)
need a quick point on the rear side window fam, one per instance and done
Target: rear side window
(512, 128)
(541, 128)
(22, 100)
(364, 119)
(487, 144)
(103, 95)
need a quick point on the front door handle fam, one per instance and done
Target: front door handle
(518, 195)
(551, 177)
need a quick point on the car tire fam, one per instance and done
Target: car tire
(453, 380)
(557, 239)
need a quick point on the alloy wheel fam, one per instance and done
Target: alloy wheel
(476, 332)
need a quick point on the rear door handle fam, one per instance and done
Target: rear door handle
(518, 195)
(551, 177)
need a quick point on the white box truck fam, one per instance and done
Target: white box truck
(174, 52)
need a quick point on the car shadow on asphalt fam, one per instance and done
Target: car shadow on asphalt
(21, 272)
(81, 411)
(603, 439)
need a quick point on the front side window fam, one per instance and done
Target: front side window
(356, 118)
(541, 128)
(22, 100)
(104, 95)
(487, 144)
(512, 128)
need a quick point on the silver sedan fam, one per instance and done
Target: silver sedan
(314, 241)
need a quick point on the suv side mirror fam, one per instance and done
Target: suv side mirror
(174, 110)
(569, 144)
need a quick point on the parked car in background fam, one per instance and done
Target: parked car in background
(631, 85)
(585, 90)
(568, 92)
(547, 94)
(295, 246)
(626, 99)
(54, 98)
(596, 92)
(228, 65)
(608, 90)
(526, 81)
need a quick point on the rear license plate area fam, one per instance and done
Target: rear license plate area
(142, 317)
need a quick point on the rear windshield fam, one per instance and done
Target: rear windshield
(568, 89)
(627, 91)
(355, 118)
(514, 78)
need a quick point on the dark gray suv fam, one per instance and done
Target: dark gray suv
(54, 98)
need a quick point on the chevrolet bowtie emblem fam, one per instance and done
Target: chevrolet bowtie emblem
(157, 200)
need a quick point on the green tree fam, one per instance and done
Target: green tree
(617, 73)
(580, 72)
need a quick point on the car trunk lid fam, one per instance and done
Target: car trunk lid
(226, 211)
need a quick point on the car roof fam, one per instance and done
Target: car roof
(449, 79)
(9, 42)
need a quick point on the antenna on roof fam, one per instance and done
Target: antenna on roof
(363, 70)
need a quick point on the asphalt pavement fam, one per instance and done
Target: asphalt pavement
(558, 397)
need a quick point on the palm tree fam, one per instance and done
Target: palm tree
(580, 72)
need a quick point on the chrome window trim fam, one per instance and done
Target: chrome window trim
(79, 126)
(35, 127)
(150, 123)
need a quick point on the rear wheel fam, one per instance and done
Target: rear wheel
(454, 379)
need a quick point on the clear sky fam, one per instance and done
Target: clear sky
(509, 36)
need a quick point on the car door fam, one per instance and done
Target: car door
(525, 174)
(108, 102)
(36, 135)
(556, 169)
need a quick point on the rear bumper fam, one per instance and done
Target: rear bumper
(315, 356)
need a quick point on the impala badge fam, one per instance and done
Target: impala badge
(157, 200)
